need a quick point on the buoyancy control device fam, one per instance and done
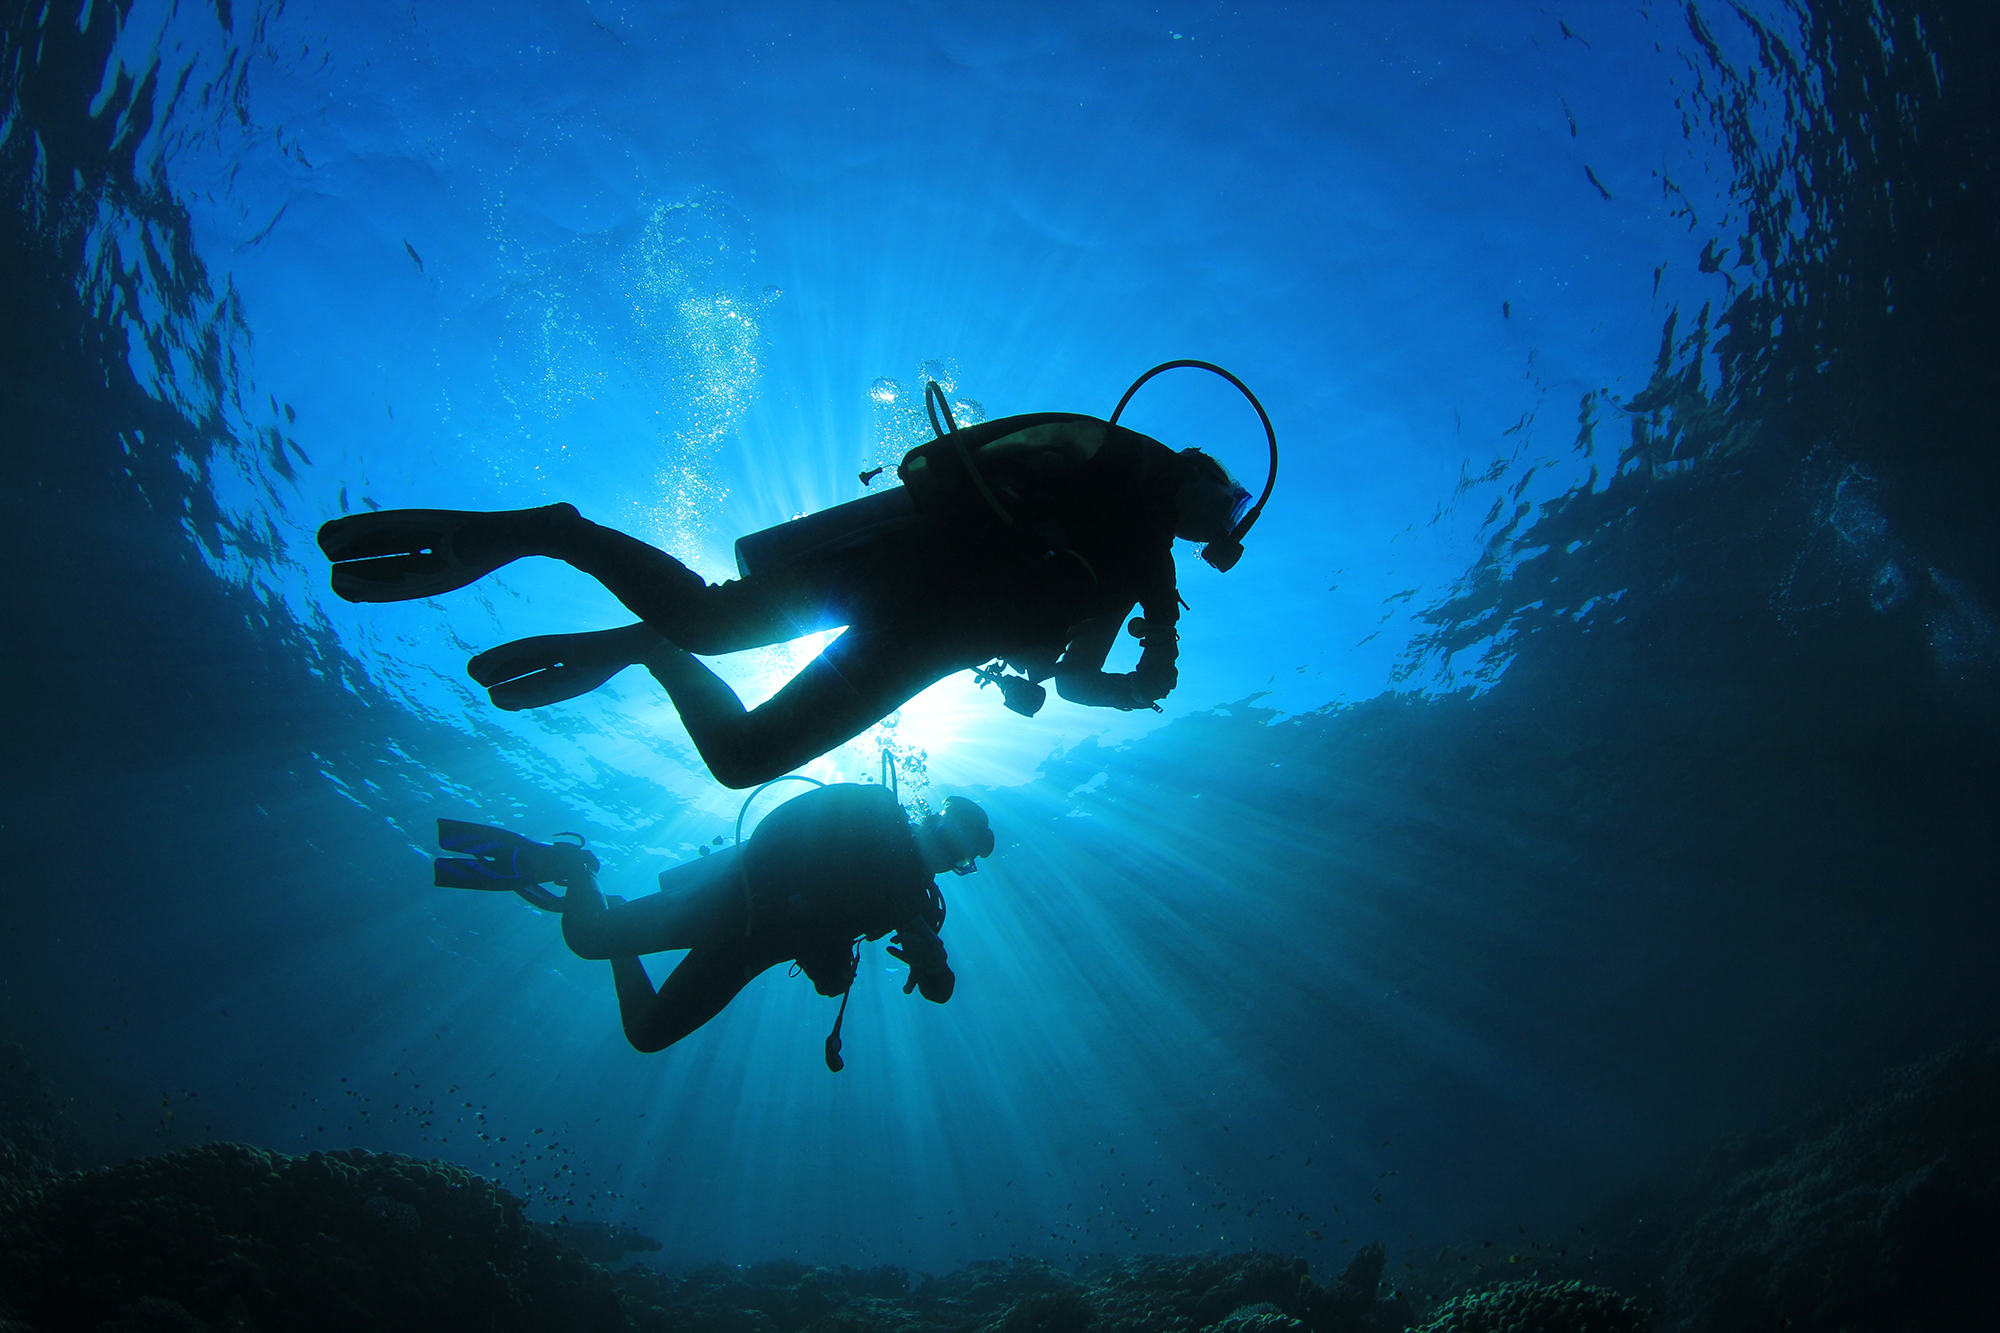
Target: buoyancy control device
(1022, 694)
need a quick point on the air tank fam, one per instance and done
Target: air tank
(787, 541)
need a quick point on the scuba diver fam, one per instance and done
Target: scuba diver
(820, 873)
(1021, 542)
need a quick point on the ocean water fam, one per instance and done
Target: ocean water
(1593, 754)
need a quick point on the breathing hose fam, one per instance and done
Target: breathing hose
(1225, 553)
(1222, 554)
(934, 402)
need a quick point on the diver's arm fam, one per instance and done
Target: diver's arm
(1159, 640)
(918, 945)
(1080, 675)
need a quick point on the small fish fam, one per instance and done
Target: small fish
(1569, 116)
(1573, 35)
(1506, 312)
(414, 256)
(1594, 181)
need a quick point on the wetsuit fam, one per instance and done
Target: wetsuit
(1074, 526)
(822, 870)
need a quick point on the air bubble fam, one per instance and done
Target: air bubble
(885, 390)
(968, 411)
(942, 372)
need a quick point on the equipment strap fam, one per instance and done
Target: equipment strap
(934, 402)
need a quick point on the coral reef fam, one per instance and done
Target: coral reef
(1538, 1307)
(600, 1242)
(1877, 1213)
(228, 1236)
(35, 1134)
(1240, 1293)
(1881, 1211)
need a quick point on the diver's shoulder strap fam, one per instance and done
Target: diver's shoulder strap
(951, 476)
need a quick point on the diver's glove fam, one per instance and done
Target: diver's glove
(924, 952)
(1142, 692)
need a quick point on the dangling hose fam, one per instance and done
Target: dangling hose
(1225, 553)
(834, 1063)
(833, 1060)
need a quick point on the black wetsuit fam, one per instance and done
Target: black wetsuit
(1087, 533)
(822, 870)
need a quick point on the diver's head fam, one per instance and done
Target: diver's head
(954, 837)
(1209, 503)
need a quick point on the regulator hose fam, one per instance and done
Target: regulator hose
(1223, 554)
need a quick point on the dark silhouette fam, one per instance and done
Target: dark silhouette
(837, 865)
(1032, 556)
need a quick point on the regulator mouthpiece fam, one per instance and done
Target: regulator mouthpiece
(1223, 555)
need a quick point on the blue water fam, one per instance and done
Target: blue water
(1378, 930)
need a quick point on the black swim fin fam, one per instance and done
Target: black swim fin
(531, 673)
(497, 860)
(402, 555)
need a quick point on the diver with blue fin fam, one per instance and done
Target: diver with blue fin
(820, 873)
(1023, 542)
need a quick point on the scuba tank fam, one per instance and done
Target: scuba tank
(787, 541)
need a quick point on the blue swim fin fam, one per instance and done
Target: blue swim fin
(497, 860)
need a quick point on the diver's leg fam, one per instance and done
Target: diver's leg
(861, 678)
(397, 555)
(700, 902)
(706, 980)
(698, 616)
(400, 554)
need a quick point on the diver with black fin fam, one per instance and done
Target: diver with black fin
(819, 874)
(1022, 542)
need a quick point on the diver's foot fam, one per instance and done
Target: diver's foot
(530, 673)
(401, 555)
